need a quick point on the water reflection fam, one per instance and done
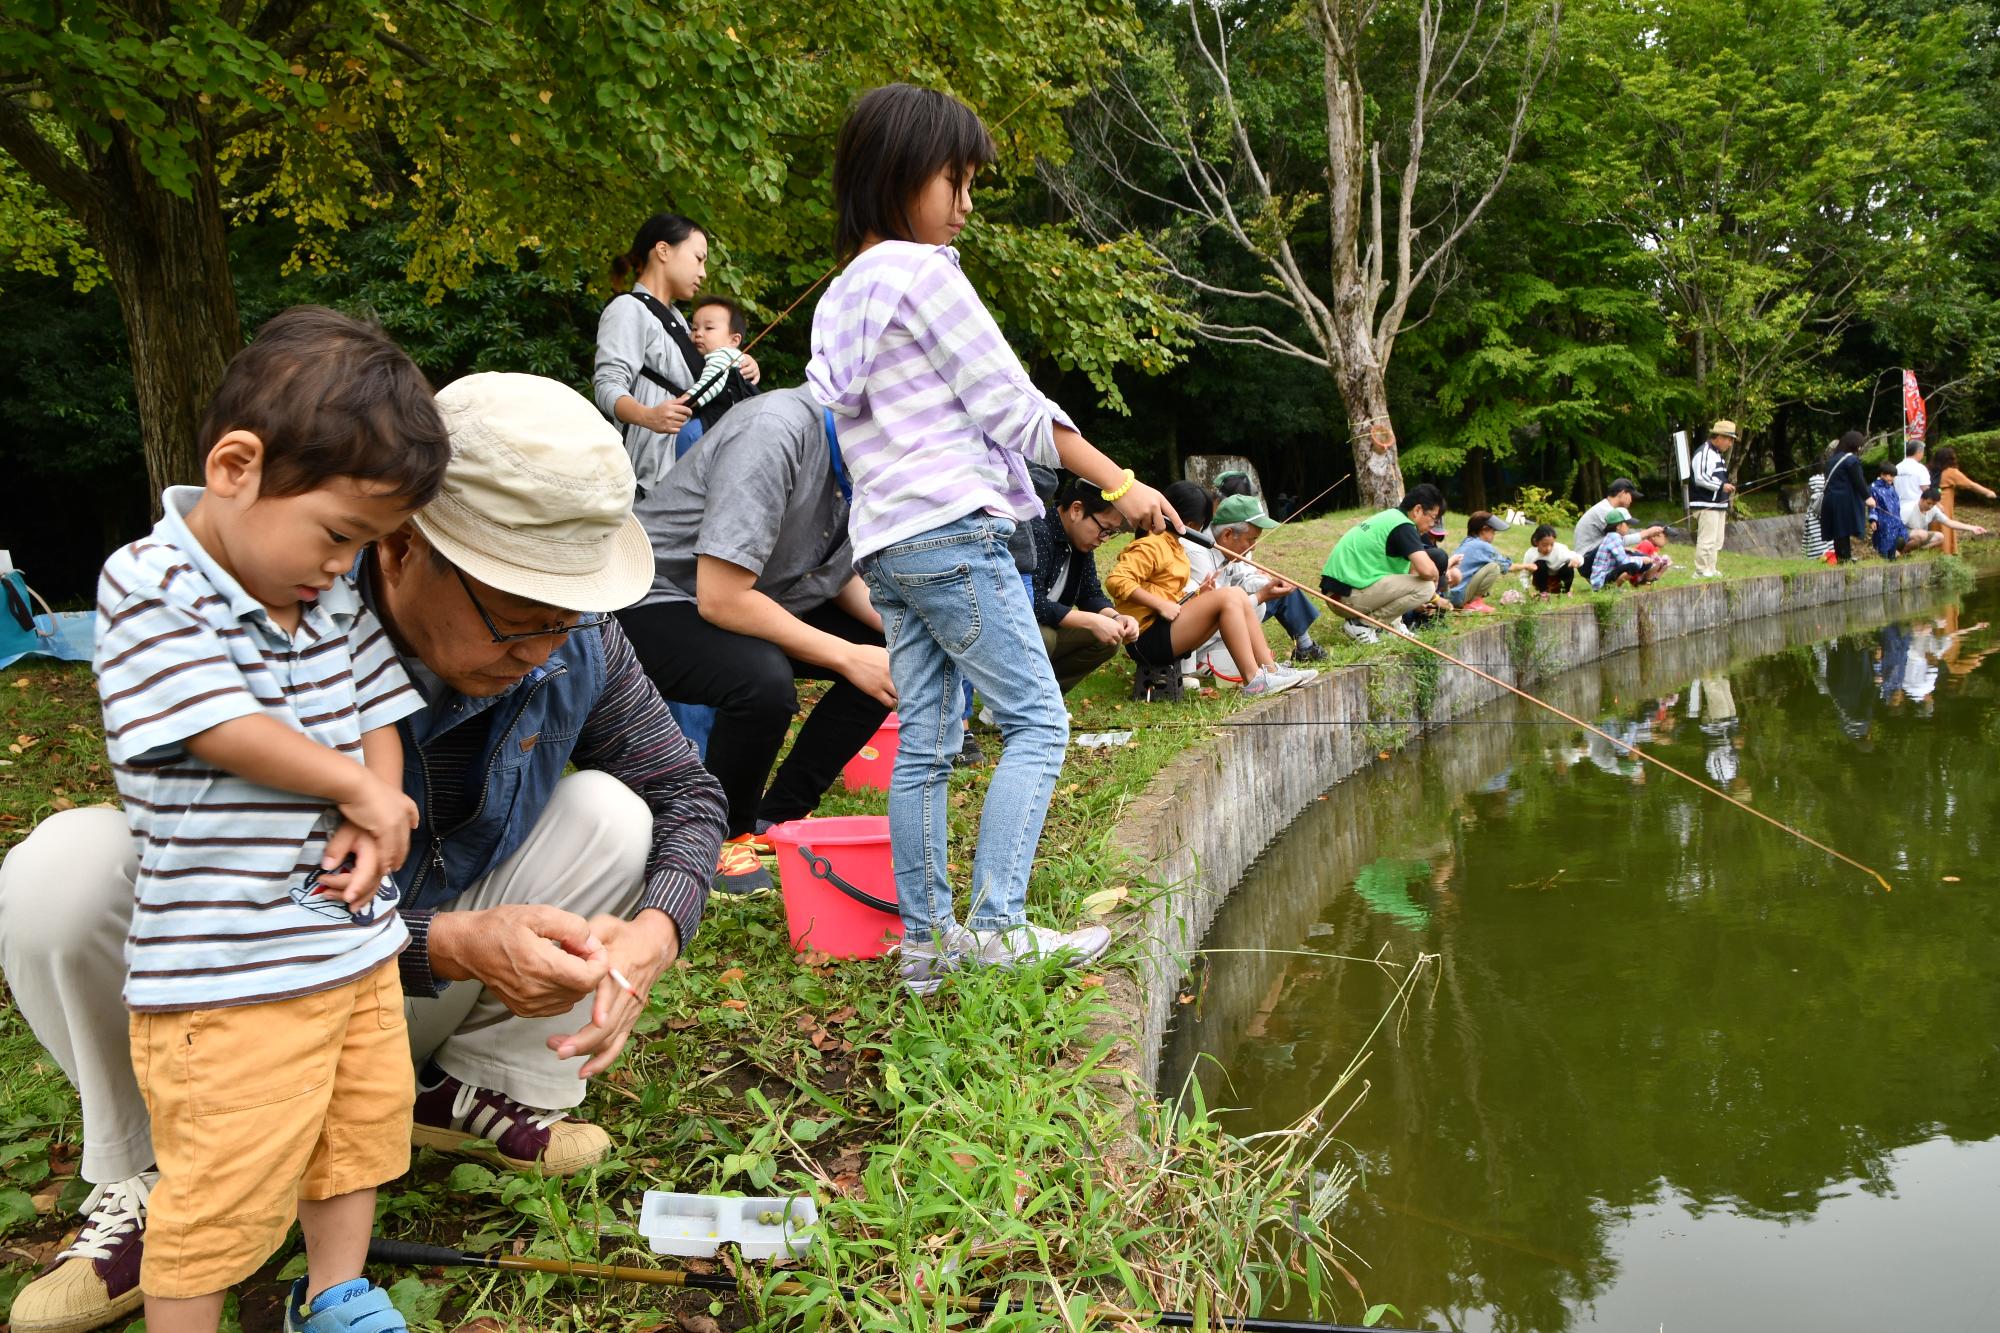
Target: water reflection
(1658, 1027)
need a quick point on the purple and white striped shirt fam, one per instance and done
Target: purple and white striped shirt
(937, 420)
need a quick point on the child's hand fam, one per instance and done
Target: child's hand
(1207, 584)
(359, 884)
(1170, 612)
(1147, 510)
(385, 814)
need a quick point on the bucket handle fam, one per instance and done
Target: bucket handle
(821, 868)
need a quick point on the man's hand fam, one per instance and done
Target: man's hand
(538, 960)
(1273, 590)
(640, 950)
(1729, 488)
(1105, 629)
(867, 670)
(1656, 533)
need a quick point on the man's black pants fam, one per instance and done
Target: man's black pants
(751, 684)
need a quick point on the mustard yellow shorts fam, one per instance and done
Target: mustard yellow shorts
(258, 1106)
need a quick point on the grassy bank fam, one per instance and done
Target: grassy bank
(969, 1144)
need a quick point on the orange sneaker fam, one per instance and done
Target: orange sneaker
(738, 869)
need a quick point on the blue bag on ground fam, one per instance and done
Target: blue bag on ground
(66, 635)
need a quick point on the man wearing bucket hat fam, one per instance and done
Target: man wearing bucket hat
(527, 889)
(1709, 492)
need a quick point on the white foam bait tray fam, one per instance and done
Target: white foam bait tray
(695, 1226)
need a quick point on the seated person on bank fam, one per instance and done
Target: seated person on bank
(1551, 566)
(1480, 562)
(1613, 564)
(1240, 521)
(754, 589)
(1080, 627)
(1210, 566)
(1590, 528)
(1149, 583)
(1886, 530)
(1927, 522)
(1381, 566)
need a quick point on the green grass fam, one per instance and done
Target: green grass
(965, 1145)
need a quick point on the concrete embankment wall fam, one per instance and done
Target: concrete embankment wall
(1211, 811)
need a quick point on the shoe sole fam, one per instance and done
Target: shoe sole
(109, 1313)
(457, 1143)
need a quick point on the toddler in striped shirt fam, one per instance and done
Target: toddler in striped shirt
(937, 423)
(250, 701)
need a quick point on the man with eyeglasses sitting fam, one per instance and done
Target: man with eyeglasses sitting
(1080, 627)
(527, 890)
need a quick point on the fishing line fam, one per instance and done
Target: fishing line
(1199, 540)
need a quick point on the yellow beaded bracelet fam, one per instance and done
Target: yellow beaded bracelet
(1113, 497)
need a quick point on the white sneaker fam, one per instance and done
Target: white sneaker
(1029, 943)
(923, 966)
(1269, 682)
(1359, 632)
(1300, 675)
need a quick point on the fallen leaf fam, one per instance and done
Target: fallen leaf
(730, 976)
(1090, 982)
(965, 1159)
(1101, 902)
(699, 1323)
(841, 1015)
(735, 1004)
(62, 803)
(547, 96)
(20, 682)
(682, 1024)
(1951, 879)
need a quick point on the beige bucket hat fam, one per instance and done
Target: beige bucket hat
(1723, 427)
(537, 499)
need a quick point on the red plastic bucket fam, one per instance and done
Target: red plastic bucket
(874, 763)
(839, 884)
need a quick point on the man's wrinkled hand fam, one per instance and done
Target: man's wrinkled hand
(539, 961)
(639, 950)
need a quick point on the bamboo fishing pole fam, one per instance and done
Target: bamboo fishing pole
(408, 1254)
(1630, 749)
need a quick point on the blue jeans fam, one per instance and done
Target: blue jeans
(1294, 611)
(950, 615)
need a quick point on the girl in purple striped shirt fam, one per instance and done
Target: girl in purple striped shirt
(936, 423)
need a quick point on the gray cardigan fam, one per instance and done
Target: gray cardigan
(628, 337)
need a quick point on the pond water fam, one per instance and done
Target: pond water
(1671, 1069)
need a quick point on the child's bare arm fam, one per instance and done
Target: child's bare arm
(266, 751)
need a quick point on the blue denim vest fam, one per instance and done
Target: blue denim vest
(530, 733)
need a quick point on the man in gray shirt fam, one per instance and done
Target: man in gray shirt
(1591, 527)
(755, 589)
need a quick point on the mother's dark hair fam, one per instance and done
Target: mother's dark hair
(669, 227)
(1852, 442)
(896, 138)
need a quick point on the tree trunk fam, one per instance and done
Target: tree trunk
(1378, 470)
(169, 261)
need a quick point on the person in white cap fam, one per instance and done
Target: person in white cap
(525, 887)
(1709, 496)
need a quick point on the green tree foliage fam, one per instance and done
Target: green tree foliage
(1791, 172)
(505, 128)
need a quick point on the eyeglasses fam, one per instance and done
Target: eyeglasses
(1102, 530)
(587, 622)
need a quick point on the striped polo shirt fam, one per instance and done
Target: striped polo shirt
(937, 420)
(224, 916)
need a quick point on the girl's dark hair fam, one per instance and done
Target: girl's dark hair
(1192, 502)
(669, 227)
(1942, 459)
(895, 140)
(1541, 531)
(331, 396)
(1852, 442)
(1089, 494)
(1234, 483)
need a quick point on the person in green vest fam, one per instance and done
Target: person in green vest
(1380, 567)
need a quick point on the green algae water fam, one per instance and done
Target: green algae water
(1671, 1069)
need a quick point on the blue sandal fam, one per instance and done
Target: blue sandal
(357, 1306)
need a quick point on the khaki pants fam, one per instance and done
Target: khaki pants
(1708, 540)
(66, 903)
(1391, 595)
(1479, 584)
(1074, 653)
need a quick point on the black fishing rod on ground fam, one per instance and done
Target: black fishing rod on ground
(409, 1254)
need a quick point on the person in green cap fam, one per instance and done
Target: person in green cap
(1379, 566)
(1614, 564)
(1239, 521)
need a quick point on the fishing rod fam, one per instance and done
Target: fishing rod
(1776, 477)
(409, 1254)
(1300, 509)
(1628, 748)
